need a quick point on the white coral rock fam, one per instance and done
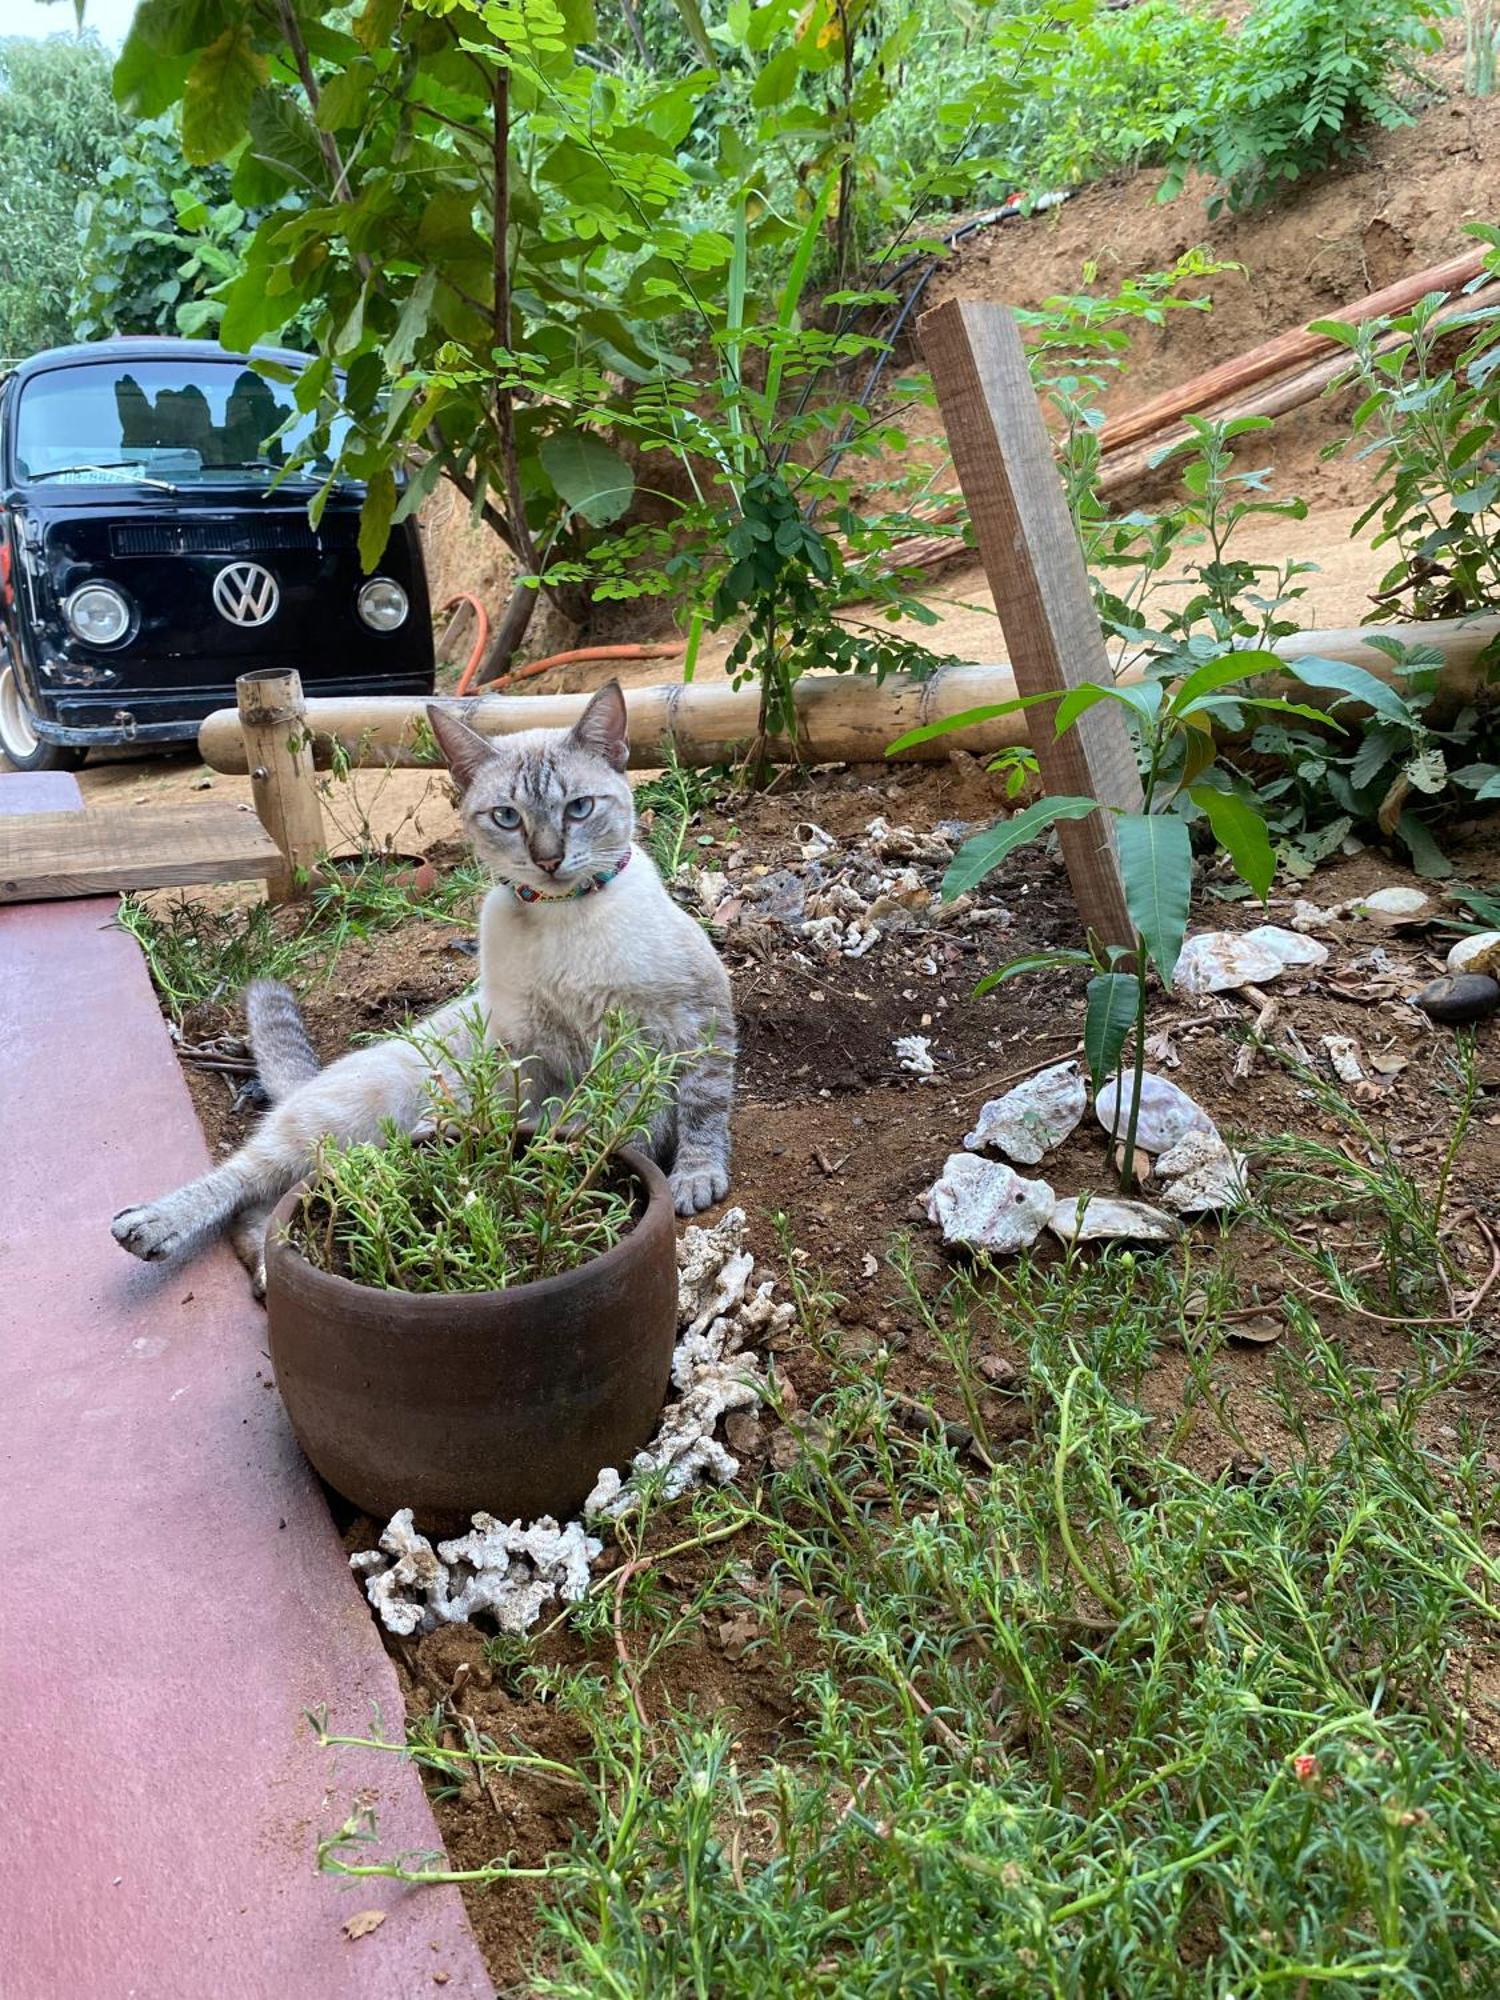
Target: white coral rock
(1167, 1113)
(985, 1205)
(1029, 1121)
(1203, 1175)
(1092, 1218)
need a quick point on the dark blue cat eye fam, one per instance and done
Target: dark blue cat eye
(578, 808)
(506, 817)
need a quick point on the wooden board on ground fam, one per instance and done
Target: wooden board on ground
(44, 856)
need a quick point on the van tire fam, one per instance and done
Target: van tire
(20, 746)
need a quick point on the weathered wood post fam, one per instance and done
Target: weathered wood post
(1003, 458)
(283, 781)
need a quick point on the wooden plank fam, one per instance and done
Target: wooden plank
(1003, 458)
(48, 855)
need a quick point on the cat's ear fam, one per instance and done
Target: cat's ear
(464, 749)
(603, 727)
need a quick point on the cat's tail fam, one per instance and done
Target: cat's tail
(284, 1057)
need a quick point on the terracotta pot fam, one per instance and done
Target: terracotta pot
(508, 1401)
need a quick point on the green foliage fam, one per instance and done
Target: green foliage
(1429, 416)
(202, 957)
(58, 127)
(1070, 1714)
(1307, 78)
(473, 1202)
(1132, 83)
(157, 236)
(1203, 665)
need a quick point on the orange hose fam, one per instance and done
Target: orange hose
(640, 652)
(481, 635)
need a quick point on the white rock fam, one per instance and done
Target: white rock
(813, 841)
(1343, 1057)
(1167, 1113)
(986, 1205)
(914, 1054)
(1396, 905)
(1291, 947)
(1093, 1218)
(1027, 1122)
(1202, 1175)
(1480, 953)
(1215, 961)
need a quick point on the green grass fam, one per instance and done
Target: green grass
(670, 804)
(473, 1203)
(1078, 1717)
(200, 956)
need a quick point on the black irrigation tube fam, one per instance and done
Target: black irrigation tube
(1006, 213)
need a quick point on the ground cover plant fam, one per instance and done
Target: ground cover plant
(1081, 1706)
(483, 1195)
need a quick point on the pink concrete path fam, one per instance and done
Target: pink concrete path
(174, 1592)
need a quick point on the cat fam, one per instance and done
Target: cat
(578, 926)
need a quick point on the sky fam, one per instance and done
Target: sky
(108, 18)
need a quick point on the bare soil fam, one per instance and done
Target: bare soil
(833, 1136)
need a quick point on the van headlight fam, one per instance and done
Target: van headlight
(98, 614)
(382, 604)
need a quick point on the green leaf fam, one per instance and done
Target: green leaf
(375, 517)
(1216, 674)
(221, 87)
(1356, 683)
(1426, 856)
(590, 478)
(966, 718)
(1156, 863)
(412, 324)
(342, 98)
(1241, 832)
(692, 20)
(1035, 961)
(1113, 1003)
(282, 138)
(983, 852)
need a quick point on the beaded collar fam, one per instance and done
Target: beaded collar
(600, 879)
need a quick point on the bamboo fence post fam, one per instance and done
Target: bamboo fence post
(283, 780)
(1003, 458)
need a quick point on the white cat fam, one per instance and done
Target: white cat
(578, 926)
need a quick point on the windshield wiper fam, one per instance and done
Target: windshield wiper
(112, 465)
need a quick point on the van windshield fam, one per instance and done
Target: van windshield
(171, 423)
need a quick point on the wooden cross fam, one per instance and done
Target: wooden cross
(1003, 458)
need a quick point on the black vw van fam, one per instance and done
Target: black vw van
(144, 562)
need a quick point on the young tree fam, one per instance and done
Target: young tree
(59, 126)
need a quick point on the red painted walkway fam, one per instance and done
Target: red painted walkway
(174, 1594)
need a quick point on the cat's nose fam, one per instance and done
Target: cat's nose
(549, 863)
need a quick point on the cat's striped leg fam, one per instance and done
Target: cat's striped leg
(705, 1092)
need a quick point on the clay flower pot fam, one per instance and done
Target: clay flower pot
(508, 1401)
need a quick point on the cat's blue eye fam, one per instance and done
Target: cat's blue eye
(505, 817)
(578, 808)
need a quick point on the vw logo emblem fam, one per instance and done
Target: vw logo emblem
(246, 594)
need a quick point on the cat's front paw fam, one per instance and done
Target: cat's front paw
(696, 1186)
(150, 1233)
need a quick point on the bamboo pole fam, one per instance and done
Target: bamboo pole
(272, 724)
(841, 719)
(1274, 357)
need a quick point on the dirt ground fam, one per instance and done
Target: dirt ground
(833, 1136)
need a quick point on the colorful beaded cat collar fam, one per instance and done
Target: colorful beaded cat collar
(600, 879)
